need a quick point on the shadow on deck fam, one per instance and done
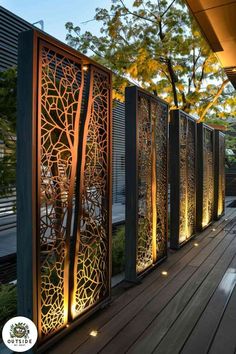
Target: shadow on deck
(191, 310)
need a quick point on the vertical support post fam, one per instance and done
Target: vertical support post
(26, 177)
(131, 166)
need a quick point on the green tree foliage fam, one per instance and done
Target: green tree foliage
(8, 131)
(8, 304)
(157, 45)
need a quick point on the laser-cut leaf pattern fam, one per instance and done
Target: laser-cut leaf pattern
(221, 175)
(144, 241)
(91, 281)
(160, 113)
(152, 182)
(71, 142)
(187, 178)
(61, 85)
(208, 177)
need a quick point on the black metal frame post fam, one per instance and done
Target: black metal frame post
(219, 174)
(205, 179)
(131, 182)
(146, 182)
(64, 197)
(26, 181)
(183, 175)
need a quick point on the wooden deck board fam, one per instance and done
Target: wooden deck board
(162, 323)
(224, 340)
(202, 335)
(183, 326)
(159, 306)
(188, 279)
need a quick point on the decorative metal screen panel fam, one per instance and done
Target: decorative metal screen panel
(183, 135)
(146, 181)
(205, 185)
(219, 174)
(69, 144)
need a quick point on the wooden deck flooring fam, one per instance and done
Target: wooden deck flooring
(192, 310)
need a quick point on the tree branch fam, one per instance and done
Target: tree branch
(136, 15)
(211, 103)
(173, 80)
(167, 9)
(202, 74)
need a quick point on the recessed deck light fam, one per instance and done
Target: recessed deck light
(164, 272)
(93, 333)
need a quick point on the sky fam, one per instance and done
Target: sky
(55, 13)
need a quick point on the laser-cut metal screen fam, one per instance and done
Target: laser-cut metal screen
(219, 174)
(183, 174)
(146, 181)
(205, 185)
(64, 154)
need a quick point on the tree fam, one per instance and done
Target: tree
(157, 45)
(8, 131)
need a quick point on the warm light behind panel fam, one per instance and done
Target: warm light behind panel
(183, 158)
(146, 181)
(219, 174)
(65, 182)
(205, 182)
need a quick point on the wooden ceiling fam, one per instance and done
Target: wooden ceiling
(217, 20)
